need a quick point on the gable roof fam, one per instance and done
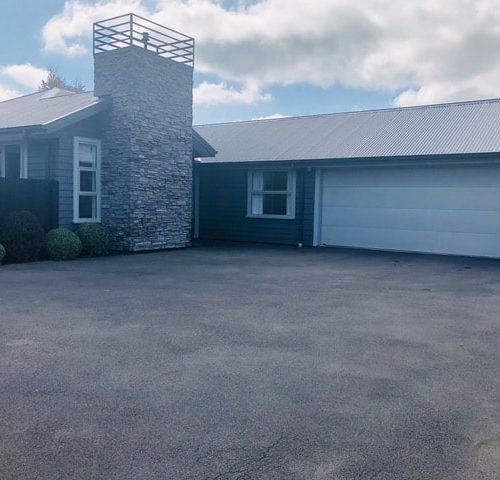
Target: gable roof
(56, 108)
(453, 128)
(201, 148)
(45, 108)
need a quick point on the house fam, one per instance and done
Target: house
(121, 155)
(421, 179)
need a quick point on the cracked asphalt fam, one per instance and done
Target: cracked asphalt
(238, 362)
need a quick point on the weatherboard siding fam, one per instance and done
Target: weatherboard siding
(39, 152)
(308, 203)
(62, 168)
(223, 209)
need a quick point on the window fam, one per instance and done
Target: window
(271, 194)
(87, 181)
(13, 161)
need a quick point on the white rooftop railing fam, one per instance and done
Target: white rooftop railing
(134, 30)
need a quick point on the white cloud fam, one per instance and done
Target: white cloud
(26, 74)
(6, 93)
(219, 93)
(482, 85)
(69, 31)
(273, 116)
(16, 80)
(422, 51)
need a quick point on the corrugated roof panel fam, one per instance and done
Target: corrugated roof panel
(454, 128)
(42, 108)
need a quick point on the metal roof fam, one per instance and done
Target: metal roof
(56, 108)
(43, 108)
(453, 128)
(201, 148)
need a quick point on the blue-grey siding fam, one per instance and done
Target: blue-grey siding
(52, 159)
(223, 209)
(308, 203)
(39, 154)
(63, 166)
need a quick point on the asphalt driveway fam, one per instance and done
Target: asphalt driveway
(244, 362)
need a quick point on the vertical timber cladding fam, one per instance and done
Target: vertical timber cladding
(146, 149)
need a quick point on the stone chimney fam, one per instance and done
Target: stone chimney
(147, 145)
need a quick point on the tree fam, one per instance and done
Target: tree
(54, 80)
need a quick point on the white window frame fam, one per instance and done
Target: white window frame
(76, 180)
(23, 174)
(290, 192)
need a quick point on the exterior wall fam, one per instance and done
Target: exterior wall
(223, 209)
(147, 149)
(39, 154)
(61, 164)
(52, 159)
(308, 204)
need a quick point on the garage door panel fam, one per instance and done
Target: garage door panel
(413, 241)
(477, 175)
(450, 209)
(460, 221)
(447, 198)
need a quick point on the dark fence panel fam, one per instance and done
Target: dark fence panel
(40, 197)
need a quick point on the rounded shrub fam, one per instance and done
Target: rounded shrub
(2, 253)
(22, 236)
(63, 244)
(95, 239)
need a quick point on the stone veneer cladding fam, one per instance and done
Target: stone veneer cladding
(146, 149)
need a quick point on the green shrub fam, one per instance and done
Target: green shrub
(95, 239)
(63, 244)
(2, 253)
(22, 236)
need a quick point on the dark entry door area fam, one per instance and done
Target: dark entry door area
(13, 161)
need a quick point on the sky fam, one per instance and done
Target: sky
(272, 58)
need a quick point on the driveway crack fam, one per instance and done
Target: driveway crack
(246, 469)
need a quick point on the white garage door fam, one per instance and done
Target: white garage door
(446, 209)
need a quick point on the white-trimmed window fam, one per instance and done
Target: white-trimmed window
(14, 160)
(87, 180)
(271, 194)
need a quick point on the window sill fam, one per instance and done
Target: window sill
(87, 220)
(273, 217)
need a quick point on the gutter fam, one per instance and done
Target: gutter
(19, 133)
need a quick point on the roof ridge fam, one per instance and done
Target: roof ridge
(47, 98)
(356, 112)
(20, 96)
(68, 94)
